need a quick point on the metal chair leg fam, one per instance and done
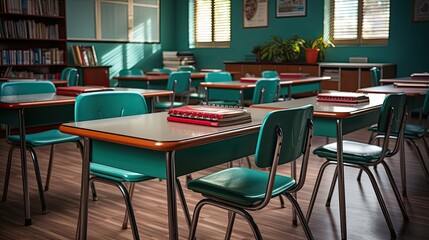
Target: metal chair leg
(7, 174)
(420, 157)
(331, 190)
(316, 190)
(300, 214)
(48, 175)
(38, 178)
(131, 193)
(184, 204)
(380, 201)
(231, 220)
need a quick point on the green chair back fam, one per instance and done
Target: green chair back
(108, 104)
(266, 91)
(128, 72)
(187, 68)
(425, 107)
(294, 124)
(375, 76)
(270, 74)
(221, 96)
(395, 102)
(30, 87)
(179, 82)
(218, 77)
(71, 75)
(161, 70)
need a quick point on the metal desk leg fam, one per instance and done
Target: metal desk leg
(402, 164)
(24, 167)
(241, 98)
(341, 188)
(289, 94)
(83, 211)
(171, 196)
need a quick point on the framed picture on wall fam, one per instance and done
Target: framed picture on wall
(255, 13)
(421, 11)
(290, 8)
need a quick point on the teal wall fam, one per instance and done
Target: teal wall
(408, 44)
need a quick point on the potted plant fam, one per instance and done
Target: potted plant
(257, 50)
(279, 50)
(314, 49)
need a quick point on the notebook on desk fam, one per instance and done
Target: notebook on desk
(342, 97)
(74, 91)
(209, 115)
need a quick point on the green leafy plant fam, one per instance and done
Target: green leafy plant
(318, 43)
(279, 50)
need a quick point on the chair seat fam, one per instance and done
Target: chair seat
(45, 138)
(117, 174)
(353, 152)
(240, 185)
(167, 105)
(414, 131)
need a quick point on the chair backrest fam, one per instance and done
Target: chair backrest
(375, 76)
(425, 107)
(395, 103)
(218, 77)
(128, 72)
(266, 91)
(186, 68)
(161, 70)
(179, 82)
(270, 74)
(108, 104)
(30, 87)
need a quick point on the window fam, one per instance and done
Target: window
(212, 23)
(115, 20)
(359, 22)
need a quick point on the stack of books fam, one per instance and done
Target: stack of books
(423, 75)
(209, 115)
(342, 97)
(173, 59)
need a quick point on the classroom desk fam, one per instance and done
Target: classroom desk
(56, 82)
(162, 149)
(403, 80)
(158, 81)
(245, 89)
(43, 109)
(335, 120)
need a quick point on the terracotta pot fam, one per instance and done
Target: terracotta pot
(311, 55)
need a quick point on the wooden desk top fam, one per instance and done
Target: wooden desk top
(386, 89)
(244, 85)
(403, 80)
(153, 131)
(51, 99)
(329, 109)
(158, 77)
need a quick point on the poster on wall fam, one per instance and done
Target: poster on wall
(421, 10)
(255, 13)
(290, 8)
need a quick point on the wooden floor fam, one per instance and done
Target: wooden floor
(365, 220)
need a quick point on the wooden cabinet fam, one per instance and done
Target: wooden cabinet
(255, 69)
(94, 75)
(33, 39)
(352, 76)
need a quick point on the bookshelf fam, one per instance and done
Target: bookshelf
(33, 39)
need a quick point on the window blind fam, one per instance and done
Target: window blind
(212, 23)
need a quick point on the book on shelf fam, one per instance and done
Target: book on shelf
(209, 115)
(423, 75)
(76, 90)
(84, 55)
(343, 97)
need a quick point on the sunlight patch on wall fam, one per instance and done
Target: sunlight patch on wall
(113, 58)
(134, 53)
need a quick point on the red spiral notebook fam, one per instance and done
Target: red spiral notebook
(74, 91)
(342, 97)
(208, 115)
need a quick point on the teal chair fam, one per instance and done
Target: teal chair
(220, 96)
(375, 76)
(363, 155)
(164, 70)
(270, 74)
(180, 84)
(33, 140)
(131, 72)
(71, 75)
(186, 68)
(240, 190)
(266, 91)
(92, 106)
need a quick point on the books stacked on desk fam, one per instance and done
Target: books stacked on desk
(74, 91)
(209, 115)
(173, 59)
(423, 75)
(342, 97)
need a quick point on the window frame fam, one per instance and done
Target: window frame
(359, 40)
(213, 43)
